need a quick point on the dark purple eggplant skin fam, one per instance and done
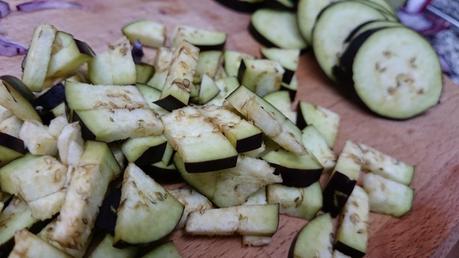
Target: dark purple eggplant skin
(297, 177)
(336, 193)
(19, 86)
(162, 175)
(85, 132)
(52, 98)
(251, 143)
(106, 220)
(347, 250)
(84, 48)
(13, 143)
(152, 155)
(240, 6)
(211, 165)
(301, 123)
(170, 103)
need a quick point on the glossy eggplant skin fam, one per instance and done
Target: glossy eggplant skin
(297, 177)
(13, 143)
(336, 193)
(211, 165)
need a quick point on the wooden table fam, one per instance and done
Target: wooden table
(430, 141)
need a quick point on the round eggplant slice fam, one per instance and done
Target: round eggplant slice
(278, 28)
(307, 13)
(397, 74)
(332, 28)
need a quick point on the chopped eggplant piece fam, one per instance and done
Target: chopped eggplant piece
(352, 234)
(106, 220)
(338, 254)
(316, 144)
(144, 151)
(33, 177)
(144, 72)
(203, 39)
(147, 212)
(70, 144)
(261, 76)
(115, 66)
(66, 57)
(315, 239)
(11, 126)
(296, 170)
(11, 148)
(308, 11)
(38, 57)
(16, 216)
(208, 64)
(281, 101)
(31, 246)
(192, 200)
(82, 96)
(343, 179)
(112, 125)
(256, 153)
(72, 229)
(243, 135)
(257, 198)
(278, 28)
(232, 186)
(226, 86)
(297, 202)
(48, 206)
(167, 250)
(163, 61)
(201, 145)
(384, 165)
(232, 61)
(208, 90)
(16, 103)
(271, 121)
(51, 98)
(257, 220)
(162, 173)
(178, 85)
(105, 249)
(388, 197)
(287, 58)
(4, 113)
(150, 33)
(324, 120)
(151, 95)
(38, 139)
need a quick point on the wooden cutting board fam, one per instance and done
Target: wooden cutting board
(430, 141)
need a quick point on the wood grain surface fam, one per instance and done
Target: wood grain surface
(430, 141)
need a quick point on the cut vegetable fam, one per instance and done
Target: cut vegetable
(167, 250)
(307, 13)
(11, 126)
(352, 234)
(261, 76)
(115, 66)
(147, 212)
(257, 198)
(343, 179)
(16, 216)
(112, 125)
(315, 239)
(208, 90)
(315, 144)
(85, 194)
(150, 33)
(323, 119)
(192, 200)
(66, 57)
(288, 58)
(278, 28)
(281, 101)
(232, 60)
(151, 95)
(410, 89)
(46, 207)
(388, 197)
(144, 151)
(38, 57)
(11, 148)
(144, 72)
(70, 144)
(162, 173)
(258, 220)
(296, 170)
(163, 60)
(243, 135)
(338, 254)
(31, 246)
(328, 38)
(38, 139)
(200, 144)
(384, 165)
(106, 220)
(179, 82)
(208, 64)
(226, 86)
(297, 202)
(275, 125)
(105, 249)
(233, 186)
(16, 103)
(52, 98)
(203, 39)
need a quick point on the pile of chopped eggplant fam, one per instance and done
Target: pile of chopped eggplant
(90, 144)
(359, 44)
